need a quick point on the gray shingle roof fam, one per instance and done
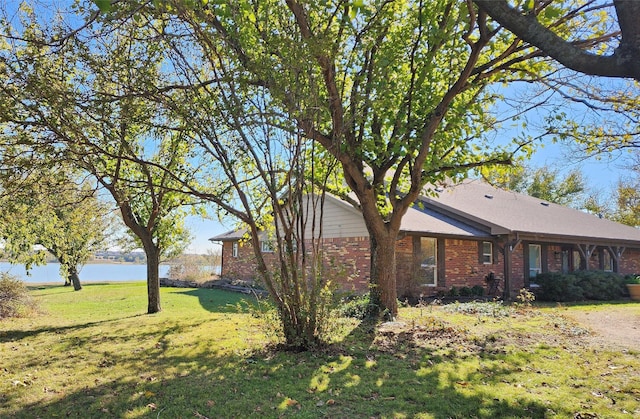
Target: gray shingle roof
(474, 208)
(423, 219)
(231, 235)
(510, 212)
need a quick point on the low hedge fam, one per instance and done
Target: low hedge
(580, 286)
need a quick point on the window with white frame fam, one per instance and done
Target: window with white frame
(535, 260)
(266, 246)
(234, 249)
(487, 253)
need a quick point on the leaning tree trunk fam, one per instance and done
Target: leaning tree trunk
(74, 278)
(384, 294)
(153, 279)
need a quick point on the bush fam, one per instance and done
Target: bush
(477, 290)
(15, 300)
(358, 307)
(579, 286)
(186, 271)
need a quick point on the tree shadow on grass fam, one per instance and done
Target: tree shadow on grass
(360, 383)
(220, 301)
(183, 368)
(11, 335)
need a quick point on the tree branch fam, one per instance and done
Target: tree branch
(623, 63)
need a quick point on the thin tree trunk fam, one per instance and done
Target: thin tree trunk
(74, 278)
(153, 280)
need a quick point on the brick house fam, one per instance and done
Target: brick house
(458, 237)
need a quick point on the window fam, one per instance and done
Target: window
(428, 273)
(487, 253)
(607, 261)
(234, 249)
(535, 260)
(577, 261)
(266, 247)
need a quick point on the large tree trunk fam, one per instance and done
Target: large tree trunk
(153, 280)
(74, 278)
(384, 294)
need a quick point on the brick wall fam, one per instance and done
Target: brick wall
(554, 258)
(345, 260)
(517, 269)
(405, 268)
(244, 265)
(630, 263)
(462, 266)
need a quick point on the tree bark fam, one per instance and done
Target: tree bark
(153, 280)
(383, 274)
(74, 278)
(150, 249)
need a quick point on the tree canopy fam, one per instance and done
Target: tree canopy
(543, 182)
(50, 208)
(77, 96)
(396, 92)
(401, 95)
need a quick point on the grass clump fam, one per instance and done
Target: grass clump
(15, 300)
(488, 309)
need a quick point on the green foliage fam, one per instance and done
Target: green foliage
(464, 291)
(525, 298)
(580, 285)
(103, 5)
(83, 103)
(632, 279)
(545, 183)
(357, 307)
(477, 290)
(366, 83)
(51, 208)
(15, 300)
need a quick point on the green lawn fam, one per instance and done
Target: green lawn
(95, 354)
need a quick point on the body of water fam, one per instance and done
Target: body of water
(97, 272)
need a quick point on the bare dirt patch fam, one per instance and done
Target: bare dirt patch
(611, 326)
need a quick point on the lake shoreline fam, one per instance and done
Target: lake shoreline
(90, 273)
